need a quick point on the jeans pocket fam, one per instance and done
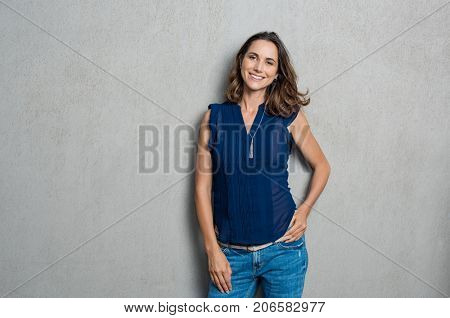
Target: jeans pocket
(238, 251)
(292, 245)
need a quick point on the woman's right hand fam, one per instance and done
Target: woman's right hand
(220, 270)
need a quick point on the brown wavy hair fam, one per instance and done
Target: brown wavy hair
(282, 95)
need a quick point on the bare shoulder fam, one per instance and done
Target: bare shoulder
(300, 123)
(204, 132)
(205, 118)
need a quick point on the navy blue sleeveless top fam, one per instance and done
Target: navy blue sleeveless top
(251, 199)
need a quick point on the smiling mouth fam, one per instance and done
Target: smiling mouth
(255, 77)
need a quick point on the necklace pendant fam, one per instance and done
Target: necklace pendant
(250, 155)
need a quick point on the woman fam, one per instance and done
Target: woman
(252, 230)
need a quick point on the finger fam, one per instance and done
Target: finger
(296, 236)
(217, 282)
(213, 278)
(292, 237)
(290, 232)
(223, 282)
(286, 235)
(293, 219)
(299, 234)
(297, 230)
(302, 233)
(228, 279)
(291, 223)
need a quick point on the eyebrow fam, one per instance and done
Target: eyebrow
(269, 58)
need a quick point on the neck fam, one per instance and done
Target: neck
(251, 103)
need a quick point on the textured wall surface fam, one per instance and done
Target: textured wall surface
(78, 78)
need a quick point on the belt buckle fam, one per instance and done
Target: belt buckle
(253, 248)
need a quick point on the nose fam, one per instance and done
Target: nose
(258, 67)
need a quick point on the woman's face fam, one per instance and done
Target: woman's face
(260, 64)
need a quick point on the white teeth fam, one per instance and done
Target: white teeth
(256, 77)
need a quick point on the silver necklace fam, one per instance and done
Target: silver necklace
(250, 154)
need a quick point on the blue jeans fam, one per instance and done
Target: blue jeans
(280, 267)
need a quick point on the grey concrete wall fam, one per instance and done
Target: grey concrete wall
(78, 78)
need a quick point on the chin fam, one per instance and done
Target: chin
(256, 87)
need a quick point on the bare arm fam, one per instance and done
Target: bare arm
(203, 183)
(312, 152)
(310, 149)
(218, 266)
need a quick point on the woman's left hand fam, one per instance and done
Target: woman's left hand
(298, 223)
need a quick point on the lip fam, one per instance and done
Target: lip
(255, 78)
